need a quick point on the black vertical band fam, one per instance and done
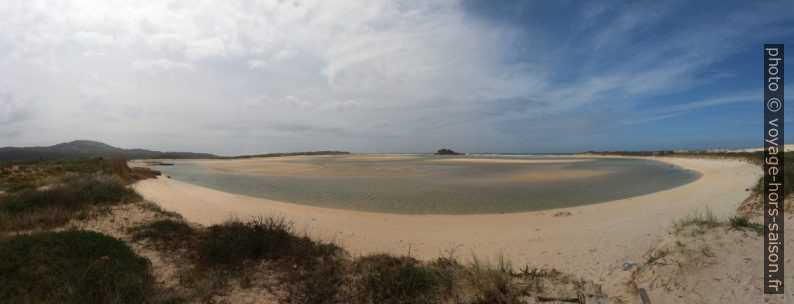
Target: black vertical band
(773, 169)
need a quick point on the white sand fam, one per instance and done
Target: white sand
(593, 242)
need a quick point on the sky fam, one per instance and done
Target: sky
(245, 77)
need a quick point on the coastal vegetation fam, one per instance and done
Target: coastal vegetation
(318, 272)
(699, 222)
(72, 266)
(47, 194)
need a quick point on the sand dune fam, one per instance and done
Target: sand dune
(593, 241)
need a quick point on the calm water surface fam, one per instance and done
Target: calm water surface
(446, 188)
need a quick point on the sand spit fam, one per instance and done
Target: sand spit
(478, 160)
(591, 241)
(380, 157)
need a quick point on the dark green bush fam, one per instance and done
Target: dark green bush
(168, 233)
(234, 242)
(742, 223)
(389, 279)
(71, 267)
(74, 194)
(21, 185)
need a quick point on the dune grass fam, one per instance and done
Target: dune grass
(23, 175)
(57, 204)
(319, 272)
(234, 248)
(493, 281)
(45, 194)
(389, 279)
(170, 234)
(742, 223)
(698, 223)
(71, 267)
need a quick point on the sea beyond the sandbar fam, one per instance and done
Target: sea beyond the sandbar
(426, 184)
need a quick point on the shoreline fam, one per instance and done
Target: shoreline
(592, 240)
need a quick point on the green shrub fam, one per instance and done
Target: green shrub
(71, 267)
(102, 189)
(388, 279)
(742, 223)
(21, 185)
(168, 233)
(234, 242)
(57, 204)
(75, 193)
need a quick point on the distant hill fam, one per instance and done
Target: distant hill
(88, 149)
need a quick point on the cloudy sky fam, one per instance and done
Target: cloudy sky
(237, 77)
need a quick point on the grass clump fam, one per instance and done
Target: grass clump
(492, 282)
(388, 279)
(167, 233)
(261, 238)
(234, 241)
(698, 221)
(71, 267)
(742, 223)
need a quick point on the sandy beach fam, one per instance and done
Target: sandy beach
(593, 240)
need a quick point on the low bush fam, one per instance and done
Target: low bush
(71, 267)
(168, 233)
(55, 205)
(742, 223)
(388, 279)
(74, 194)
(234, 242)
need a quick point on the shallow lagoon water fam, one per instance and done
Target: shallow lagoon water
(445, 187)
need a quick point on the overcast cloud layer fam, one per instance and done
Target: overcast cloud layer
(236, 77)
